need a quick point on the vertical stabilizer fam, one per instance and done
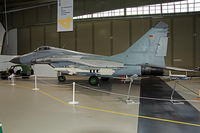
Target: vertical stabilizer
(149, 49)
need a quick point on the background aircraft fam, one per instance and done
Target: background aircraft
(144, 57)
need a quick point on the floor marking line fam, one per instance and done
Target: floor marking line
(119, 113)
(187, 89)
(113, 112)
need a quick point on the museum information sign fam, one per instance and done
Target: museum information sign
(65, 15)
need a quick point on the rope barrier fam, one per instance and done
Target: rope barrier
(138, 97)
(124, 95)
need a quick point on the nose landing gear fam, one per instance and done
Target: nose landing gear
(93, 80)
(61, 78)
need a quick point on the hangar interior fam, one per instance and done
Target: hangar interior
(103, 27)
(36, 24)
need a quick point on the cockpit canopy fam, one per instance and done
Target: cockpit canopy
(42, 48)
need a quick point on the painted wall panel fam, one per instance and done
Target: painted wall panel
(44, 14)
(139, 27)
(120, 36)
(51, 35)
(30, 17)
(37, 37)
(84, 37)
(18, 19)
(79, 8)
(197, 34)
(102, 38)
(23, 41)
(54, 13)
(183, 41)
(68, 40)
(103, 5)
(10, 20)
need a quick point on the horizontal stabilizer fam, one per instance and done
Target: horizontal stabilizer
(172, 68)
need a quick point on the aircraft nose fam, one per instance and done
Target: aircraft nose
(16, 60)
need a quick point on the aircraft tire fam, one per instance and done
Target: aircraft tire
(93, 80)
(61, 78)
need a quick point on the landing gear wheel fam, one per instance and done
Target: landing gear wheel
(104, 78)
(61, 78)
(93, 80)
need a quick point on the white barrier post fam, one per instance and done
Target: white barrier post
(36, 88)
(73, 102)
(12, 79)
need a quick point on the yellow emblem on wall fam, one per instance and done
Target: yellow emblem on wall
(65, 22)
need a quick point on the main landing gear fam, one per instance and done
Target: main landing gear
(93, 80)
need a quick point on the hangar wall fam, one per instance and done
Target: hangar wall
(37, 27)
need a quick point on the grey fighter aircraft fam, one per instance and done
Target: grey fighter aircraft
(145, 56)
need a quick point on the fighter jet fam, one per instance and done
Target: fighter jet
(144, 57)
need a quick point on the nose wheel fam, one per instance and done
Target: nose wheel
(93, 80)
(61, 78)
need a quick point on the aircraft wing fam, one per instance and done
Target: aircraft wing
(95, 63)
(178, 69)
(173, 68)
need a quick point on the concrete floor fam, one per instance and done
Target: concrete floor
(23, 110)
(193, 86)
(159, 107)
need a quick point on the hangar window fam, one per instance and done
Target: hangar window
(128, 11)
(177, 7)
(158, 8)
(131, 11)
(181, 6)
(152, 9)
(146, 10)
(170, 7)
(191, 7)
(140, 10)
(197, 5)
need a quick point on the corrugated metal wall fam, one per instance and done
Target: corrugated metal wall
(108, 37)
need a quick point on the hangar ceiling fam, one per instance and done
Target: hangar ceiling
(81, 6)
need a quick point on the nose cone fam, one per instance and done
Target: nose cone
(16, 60)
